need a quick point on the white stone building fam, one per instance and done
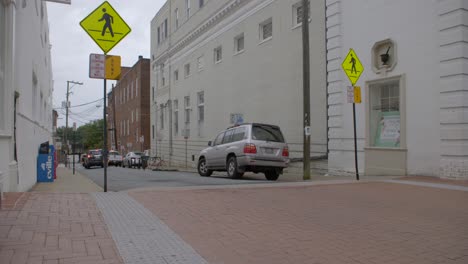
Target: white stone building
(218, 62)
(25, 91)
(414, 115)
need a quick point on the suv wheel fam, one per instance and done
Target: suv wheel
(272, 175)
(203, 169)
(231, 168)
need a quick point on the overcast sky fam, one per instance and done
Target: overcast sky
(71, 47)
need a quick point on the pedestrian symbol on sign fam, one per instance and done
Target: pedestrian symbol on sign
(109, 21)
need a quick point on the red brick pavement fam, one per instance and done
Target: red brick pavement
(355, 223)
(55, 228)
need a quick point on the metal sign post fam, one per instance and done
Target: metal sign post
(105, 26)
(353, 69)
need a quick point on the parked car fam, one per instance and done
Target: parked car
(93, 158)
(247, 147)
(132, 159)
(114, 158)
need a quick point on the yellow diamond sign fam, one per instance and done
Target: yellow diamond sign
(352, 67)
(105, 26)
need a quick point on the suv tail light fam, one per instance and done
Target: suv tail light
(285, 152)
(89, 156)
(250, 149)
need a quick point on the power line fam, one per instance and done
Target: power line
(57, 108)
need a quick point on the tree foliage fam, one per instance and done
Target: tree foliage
(89, 136)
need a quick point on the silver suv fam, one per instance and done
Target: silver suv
(247, 147)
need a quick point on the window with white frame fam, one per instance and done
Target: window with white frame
(385, 113)
(161, 116)
(187, 70)
(132, 116)
(187, 5)
(187, 109)
(297, 14)
(239, 43)
(201, 106)
(128, 127)
(218, 54)
(136, 114)
(266, 30)
(176, 117)
(176, 16)
(200, 63)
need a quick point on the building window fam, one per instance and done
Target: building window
(385, 116)
(187, 4)
(131, 90)
(201, 3)
(136, 87)
(165, 28)
(200, 63)
(176, 75)
(128, 127)
(176, 117)
(161, 116)
(266, 30)
(187, 70)
(159, 35)
(152, 131)
(201, 106)
(297, 14)
(132, 116)
(122, 128)
(136, 114)
(152, 88)
(176, 15)
(163, 81)
(239, 43)
(218, 54)
(187, 109)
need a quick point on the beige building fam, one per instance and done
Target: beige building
(215, 63)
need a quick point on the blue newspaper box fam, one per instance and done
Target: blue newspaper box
(45, 164)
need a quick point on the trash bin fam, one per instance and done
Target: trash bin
(45, 163)
(144, 161)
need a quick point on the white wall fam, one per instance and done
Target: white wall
(264, 82)
(412, 25)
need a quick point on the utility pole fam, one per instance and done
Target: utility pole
(306, 87)
(66, 118)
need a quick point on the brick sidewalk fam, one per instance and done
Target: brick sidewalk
(379, 223)
(56, 228)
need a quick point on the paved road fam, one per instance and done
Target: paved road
(120, 179)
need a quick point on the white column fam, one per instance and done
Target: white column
(453, 32)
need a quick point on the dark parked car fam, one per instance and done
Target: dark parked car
(93, 158)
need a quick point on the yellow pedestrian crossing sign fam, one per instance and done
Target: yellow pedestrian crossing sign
(105, 26)
(352, 67)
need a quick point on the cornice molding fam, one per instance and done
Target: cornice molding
(229, 9)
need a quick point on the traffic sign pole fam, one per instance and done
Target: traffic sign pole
(104, 149)
(355, 142)
(353, 69)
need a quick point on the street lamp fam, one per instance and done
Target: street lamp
(66, 115)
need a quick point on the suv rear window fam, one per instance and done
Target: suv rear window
(267, 133)
(95, 152)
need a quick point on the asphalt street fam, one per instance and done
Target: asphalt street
(121, 179)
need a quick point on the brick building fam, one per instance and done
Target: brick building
(128, 108)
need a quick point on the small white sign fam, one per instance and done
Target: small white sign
(142, 139)
(350, 94)
(307, 131)
(97, 66)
